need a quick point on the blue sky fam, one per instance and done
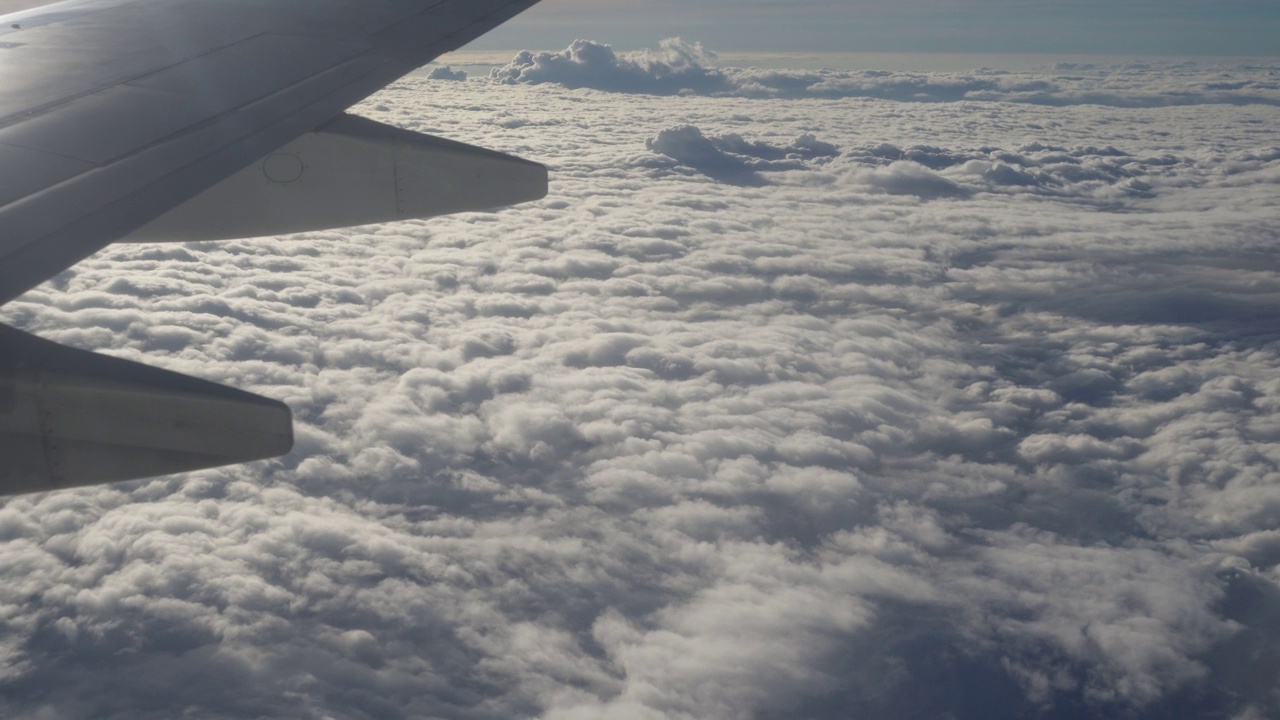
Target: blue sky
(1137, 27)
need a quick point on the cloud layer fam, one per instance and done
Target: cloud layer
(677, 67)
(827, 408)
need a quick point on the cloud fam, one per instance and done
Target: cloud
(908, 178)
(444, 72)
(957, 409)
(732, 159)
(1105, 176)
(677, 67)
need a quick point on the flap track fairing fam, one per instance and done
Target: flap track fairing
(351, 171)
(70, 418)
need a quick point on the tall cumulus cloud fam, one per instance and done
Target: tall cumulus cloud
(836, 408)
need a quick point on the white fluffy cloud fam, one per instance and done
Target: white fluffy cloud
(825, 408)
(677, 67)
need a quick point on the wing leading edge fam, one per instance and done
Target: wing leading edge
(143, 118)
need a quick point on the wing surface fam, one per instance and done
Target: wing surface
(197, 119)
(115, 111)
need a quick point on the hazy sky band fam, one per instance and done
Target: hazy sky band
(1135, 27)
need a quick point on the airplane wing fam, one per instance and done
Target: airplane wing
(156, 120)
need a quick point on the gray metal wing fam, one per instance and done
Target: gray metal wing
(114, 111)
(136, 116)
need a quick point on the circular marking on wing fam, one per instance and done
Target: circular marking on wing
(282, 167)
